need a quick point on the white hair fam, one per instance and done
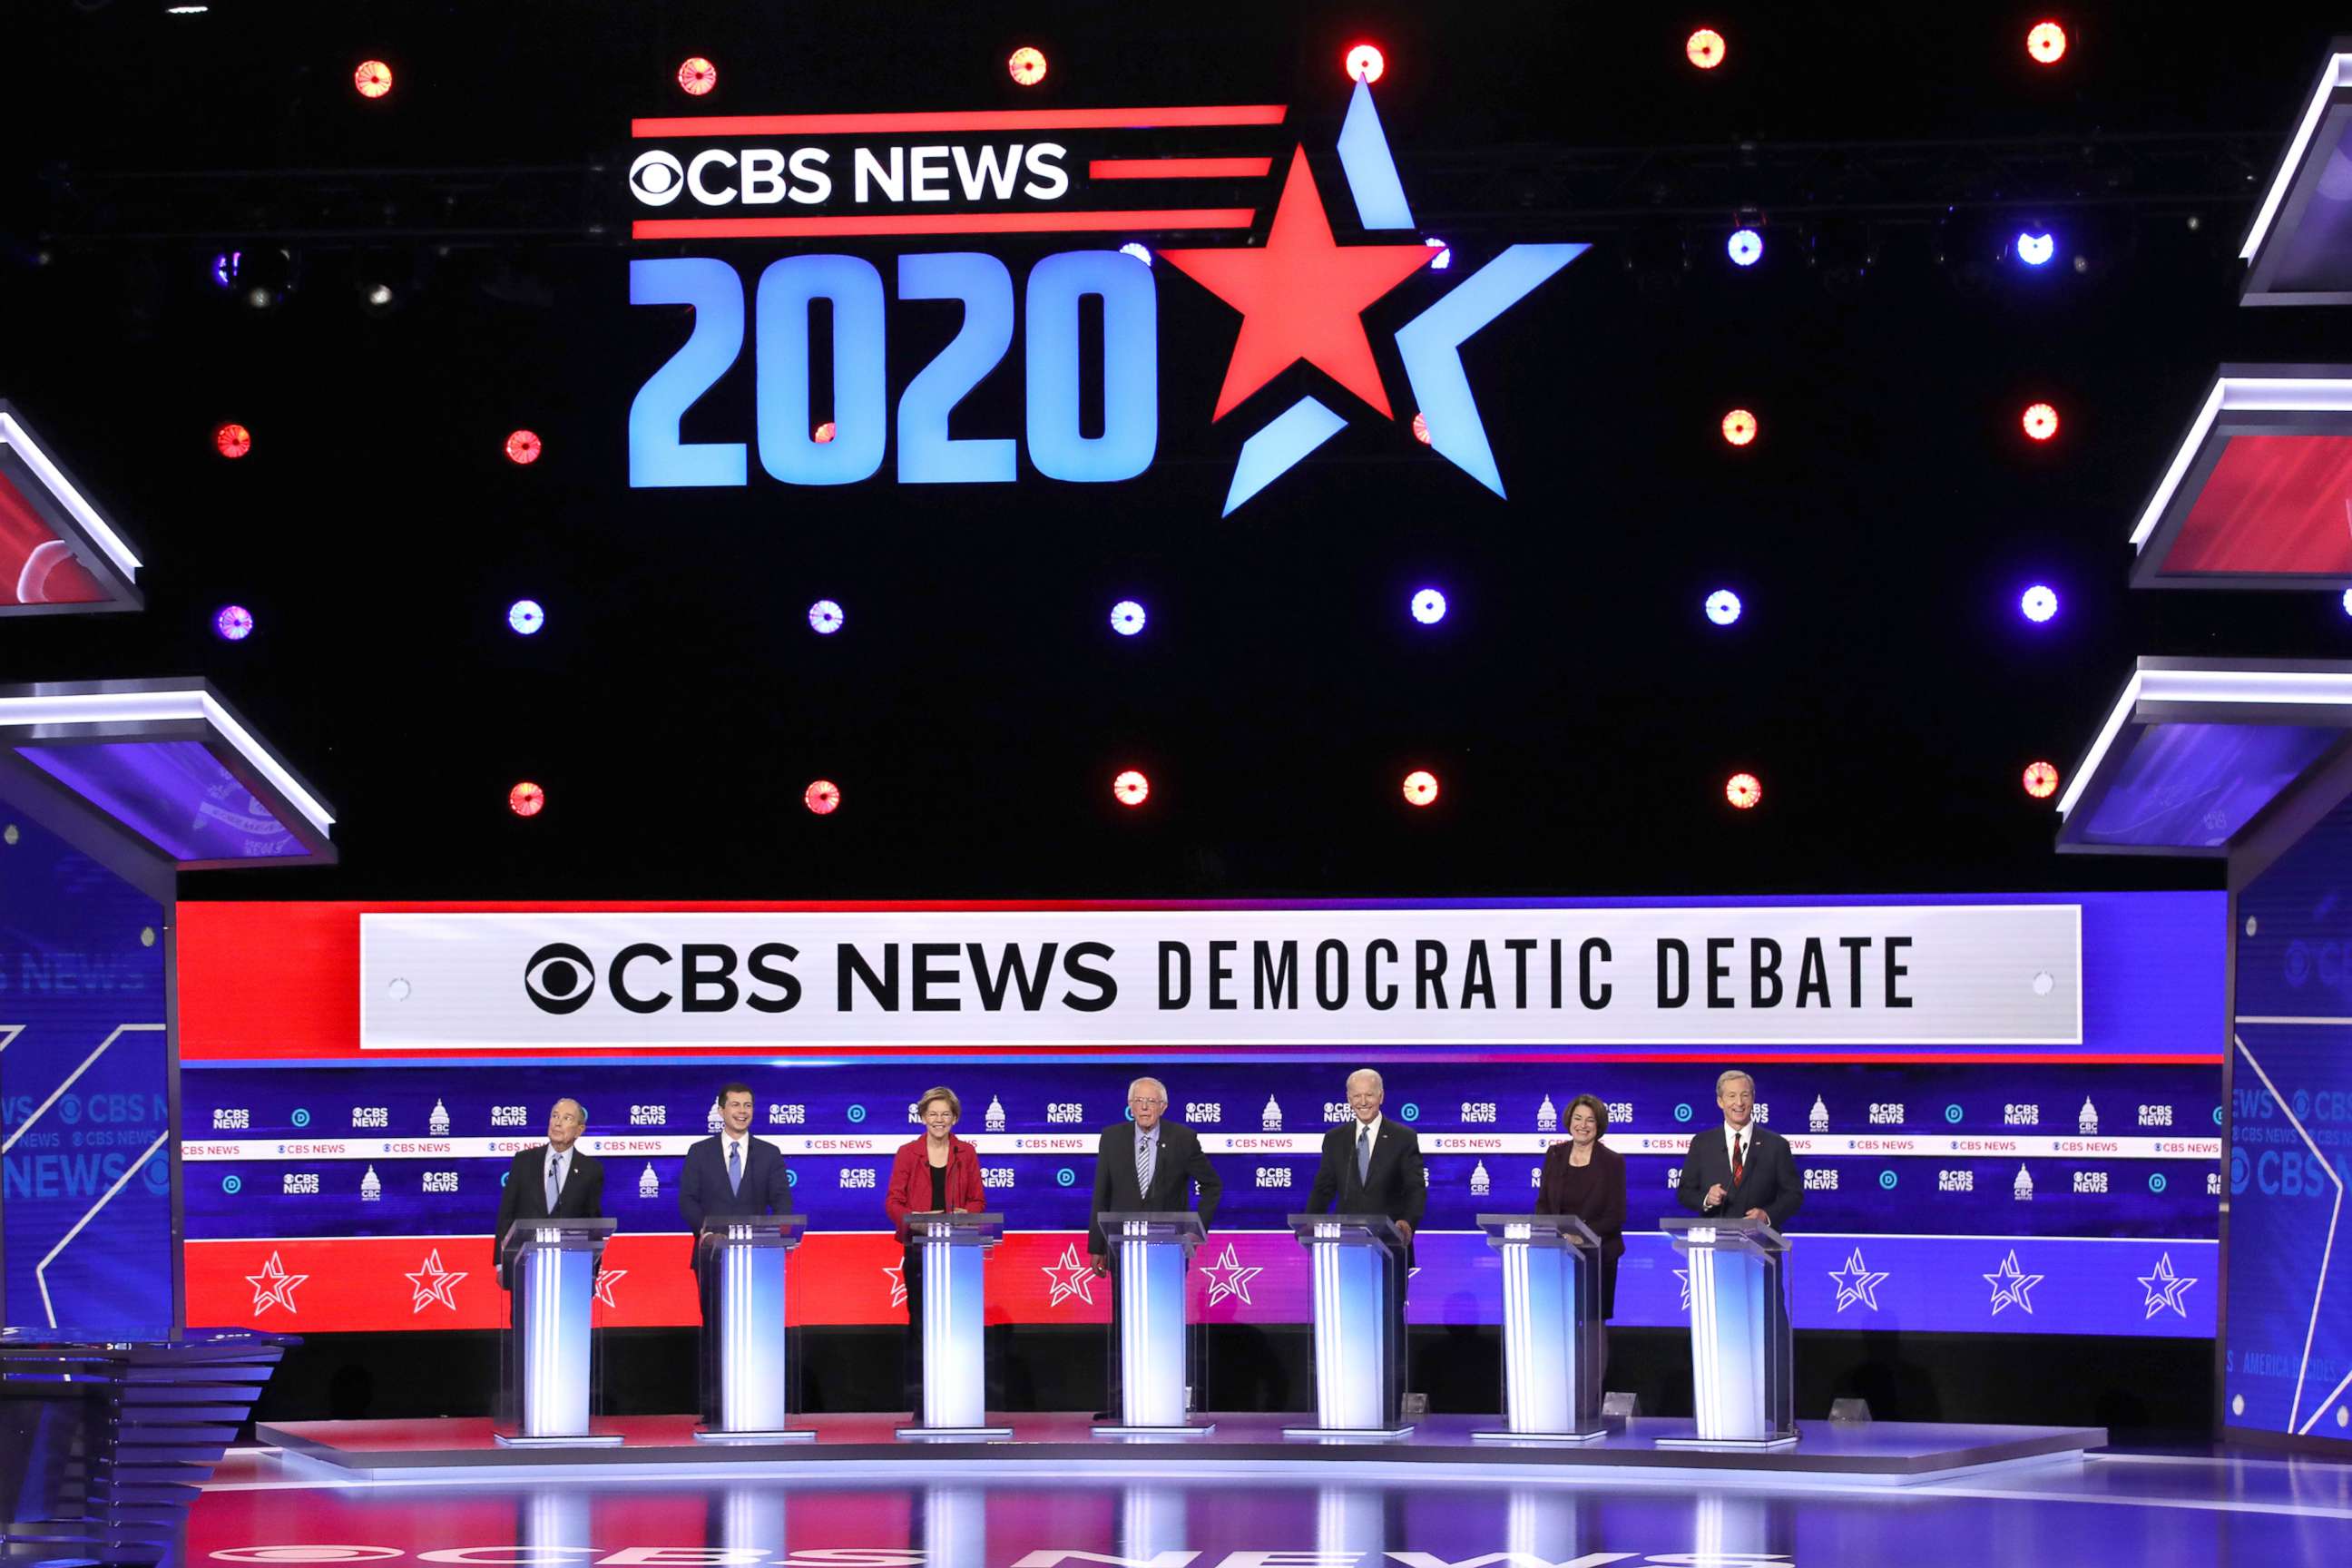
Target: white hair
(1158, 1087)
(1365, 1072)
(1727, 1077)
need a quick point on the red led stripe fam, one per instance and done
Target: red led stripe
(943, 223)
(1180, 168)
(981, 120)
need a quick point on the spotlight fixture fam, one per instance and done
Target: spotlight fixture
(823, 797)
(2041, 422)
(696, 77)
(2041, 780)
(374, 78)
(2038, 603)
(1365, 63)
(526, 617)
(2046, 42)
(1704, 49)
(1027, 66)
(227, 264)
(234, 622)
(1429, 606)
(232, 441)
(1743, 791)
(523, 447)
(1419, 787)
(1739, 427)
(1746, 248)
(1126, 617)
(2035, 249)
(824, 617)
(1130, 788)
(1420, 427)
(526, 799)
(1723, 606)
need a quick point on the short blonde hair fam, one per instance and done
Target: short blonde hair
(955, 1106)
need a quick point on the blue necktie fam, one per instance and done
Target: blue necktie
(734, 1167)
(555, 1181)
(1363, 1154)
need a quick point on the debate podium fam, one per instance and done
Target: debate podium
(741, 1261)
(1742, 1356)
(955, 1247)
(1151, 1256)
(548, 1357)
(1359, 1262)
(1551, 1326)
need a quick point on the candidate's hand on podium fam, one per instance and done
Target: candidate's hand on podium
(1760, 1214)
(1714, 1195)
(1404, 1228)
(1101, 1269)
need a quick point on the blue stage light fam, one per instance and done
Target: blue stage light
(1429, 606)
(824, 617)
(2034, 249)
(2039, 604)
(235, 623)
(525, 616)
(1126, 617)
(227, 264)
(1746, 248)
(1723, 606)
(1445, 257)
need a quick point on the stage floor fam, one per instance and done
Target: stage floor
(1358, 1511)
(1883, 1453)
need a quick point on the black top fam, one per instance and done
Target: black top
(1595, 1194)
(938, 1188)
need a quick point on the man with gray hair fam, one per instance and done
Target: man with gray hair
(1144, 1165)
(554, 1180)
(1742, 1169)
(1373, 1165)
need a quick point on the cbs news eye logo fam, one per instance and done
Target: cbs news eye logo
(657, 178)
(559, 978)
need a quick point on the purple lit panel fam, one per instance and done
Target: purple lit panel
(2197, 784)
(2316, 253)
(173, 793)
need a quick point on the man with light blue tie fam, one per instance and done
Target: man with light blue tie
(555, 1180)
(1371, 1164)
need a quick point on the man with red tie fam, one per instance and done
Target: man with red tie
(1742, 1170)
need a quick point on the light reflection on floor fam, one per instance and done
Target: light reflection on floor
(2114, 1510)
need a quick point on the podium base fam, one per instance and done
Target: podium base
(584, 1440)
(782, 1435)
(919, 1434)
(1592, 1436)
(1362, 1434)
(1730, 1444)
(1189, 1429)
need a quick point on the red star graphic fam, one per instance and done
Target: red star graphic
(1301, 296)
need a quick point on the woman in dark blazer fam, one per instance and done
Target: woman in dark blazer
(936, 1172)
(1585, 1177)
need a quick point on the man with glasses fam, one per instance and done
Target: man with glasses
(1145, 1164)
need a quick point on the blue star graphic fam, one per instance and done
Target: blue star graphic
(2165, 1288)
(2010, 1285)
(1856, 1282)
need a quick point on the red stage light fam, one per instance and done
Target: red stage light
(1027, 66)
(374, 78)
(2041, 422)
(522, 447)
(1742, 791)
(232, 441)
(2046, 43)
(1421, 429)
(1740, 426)
(824, 797)
(1419, 787)
(824, 433)
(2041, 781)
(1131, 788)
(526, 799)
(696, 77)
(1366, 63)
(1704, 48)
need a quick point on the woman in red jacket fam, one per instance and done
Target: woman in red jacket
(936, 1172)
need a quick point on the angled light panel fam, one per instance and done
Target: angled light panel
(2258, 492)
(2298, 249)
(172, 764)
(58, 554)
(2194, 750)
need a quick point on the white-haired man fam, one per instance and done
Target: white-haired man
(1373, 1165)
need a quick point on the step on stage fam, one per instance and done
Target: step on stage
(1883, 1453)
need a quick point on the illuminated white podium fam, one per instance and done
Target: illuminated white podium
(1552, 1322)
(747, 1347)
(1359, 1363)
(1153, 1258)
(1742, 1356)
(549, 1356)
(955, 1247)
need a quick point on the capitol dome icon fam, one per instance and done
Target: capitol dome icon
(438, 1123)
(648, 1185)
(2023, 1188)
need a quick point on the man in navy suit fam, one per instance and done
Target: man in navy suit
(729, 1173)
(1741, 1169)
(1373, 1165)
(552, 1180)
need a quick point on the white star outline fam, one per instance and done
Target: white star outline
(1237, 1275)
(2165, 1288)
(273, 1287)
(1856, 1282)
(1072, 1276)
(896, 1274)
(605, 1279)
(2010, 1285)
(431, 1283)
(1681, 1277)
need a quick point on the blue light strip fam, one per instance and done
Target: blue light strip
(1371, 171)
(1429, 341)
(1266, 455)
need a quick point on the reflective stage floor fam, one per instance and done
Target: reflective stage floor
(263, 1508)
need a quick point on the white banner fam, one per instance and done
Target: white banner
(1830, 975)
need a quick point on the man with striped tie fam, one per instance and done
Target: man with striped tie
(1144, 1165)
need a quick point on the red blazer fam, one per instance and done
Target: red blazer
(910, 1180)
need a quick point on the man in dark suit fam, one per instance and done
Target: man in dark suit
(1373, 1165)
(1740, 1170)
(553, 1180)
(729, 1173)
(1144, 1165)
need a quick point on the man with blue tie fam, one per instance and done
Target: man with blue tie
(1371, 1164)
(554, 1180)
(729, 1173)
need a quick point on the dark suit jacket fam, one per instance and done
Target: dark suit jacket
(1602, 1208)
(1181, 1163)
(1768, 1180)
(702, 1189)
(525, 1194)
(1397, 1187)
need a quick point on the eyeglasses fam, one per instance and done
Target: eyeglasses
(1146, 1104)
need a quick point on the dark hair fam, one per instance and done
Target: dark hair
(1600, 1113)
(742, 1089)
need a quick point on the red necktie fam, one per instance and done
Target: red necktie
(1738, 1167)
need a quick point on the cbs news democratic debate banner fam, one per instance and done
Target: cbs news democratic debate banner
(2007, 1108)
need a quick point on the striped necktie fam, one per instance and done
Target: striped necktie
(1147, 1156)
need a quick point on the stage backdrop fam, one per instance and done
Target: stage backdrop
(2007, 1108)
